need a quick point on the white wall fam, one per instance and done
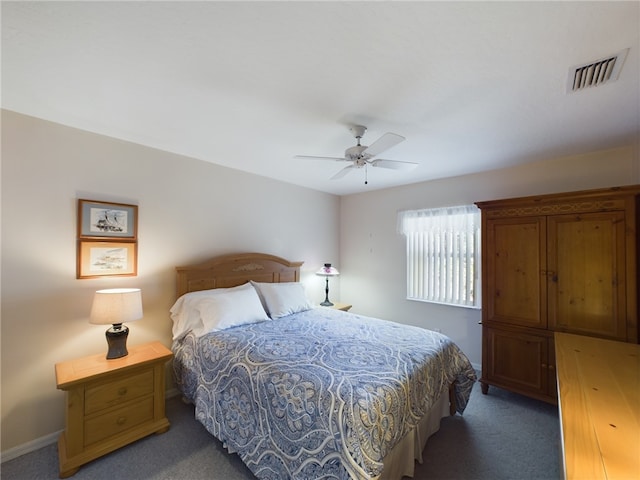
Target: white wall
(372, 254)
(189, 210)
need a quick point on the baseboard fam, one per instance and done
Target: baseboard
(47, 440)
(171, 393)
(29, 447)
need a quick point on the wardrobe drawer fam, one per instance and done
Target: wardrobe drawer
(99, 396)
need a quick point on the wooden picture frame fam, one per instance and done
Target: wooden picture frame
(107, 220)
(103, 258)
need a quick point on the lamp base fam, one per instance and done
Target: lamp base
(326, 302)
(117, 341)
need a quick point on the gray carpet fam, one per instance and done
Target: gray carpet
(501, 436)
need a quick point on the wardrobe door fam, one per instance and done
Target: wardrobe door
(586, 274)
(518, 361)
(514, 261)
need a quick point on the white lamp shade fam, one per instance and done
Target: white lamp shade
(116, 305)
(328, 271)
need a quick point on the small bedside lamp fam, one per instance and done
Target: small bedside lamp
(116, 306)
(327, 271)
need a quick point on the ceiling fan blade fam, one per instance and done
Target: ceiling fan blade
(385, 142)
(342, 172)
(311, 157)
(393, 164)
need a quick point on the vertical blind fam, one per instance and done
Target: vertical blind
(443, 251)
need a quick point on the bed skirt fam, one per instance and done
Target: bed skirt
(401, 461)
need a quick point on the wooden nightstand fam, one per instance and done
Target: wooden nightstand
(345, 307)
(110, 403)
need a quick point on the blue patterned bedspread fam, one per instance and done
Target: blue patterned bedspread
(318, 394)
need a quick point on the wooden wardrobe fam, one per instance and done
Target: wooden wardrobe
(561, 262)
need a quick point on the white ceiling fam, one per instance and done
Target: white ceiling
(473, 86)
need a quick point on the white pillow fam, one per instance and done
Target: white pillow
(184, 313)
(240, 307)
(281, 299)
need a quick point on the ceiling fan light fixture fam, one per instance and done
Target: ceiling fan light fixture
(363, 156)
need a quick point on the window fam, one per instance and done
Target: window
(443, 254)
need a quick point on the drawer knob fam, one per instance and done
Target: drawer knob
(121, 420)
(122, 391)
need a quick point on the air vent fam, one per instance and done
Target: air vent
(596, 73)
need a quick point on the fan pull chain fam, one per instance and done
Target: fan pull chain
(366, 181)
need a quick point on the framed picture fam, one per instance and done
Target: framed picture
(107, 220)
(101, 258)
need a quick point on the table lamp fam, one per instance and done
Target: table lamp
(327, 271)
(116, 306)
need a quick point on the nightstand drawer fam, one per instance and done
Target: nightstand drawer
(115, 392)
(113, 423)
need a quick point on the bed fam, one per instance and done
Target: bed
(305, 392)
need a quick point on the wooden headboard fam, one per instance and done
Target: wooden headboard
(235, 269)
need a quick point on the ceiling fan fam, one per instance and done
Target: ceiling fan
(363, 156)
